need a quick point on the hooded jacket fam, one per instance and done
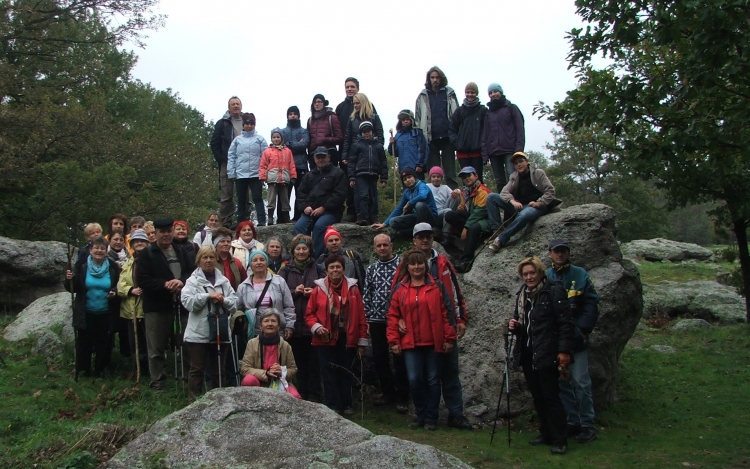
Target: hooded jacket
(419, 193)
(297, 139)
(317, 315)
(503, 131)
(277, 166)
(411, 148)
(423, 115)
(195, 299)
(367, 158)
(352, 135)
(244, 155)
(281, 300)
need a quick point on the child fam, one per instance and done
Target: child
(367, 162)
(444, 198)
(203, 237)
(278, 169)
(117, 252)
(409, 145)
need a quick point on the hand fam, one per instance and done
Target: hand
(563, 361)
(396, 349)
(68, 274)
(173, 285)
(288, 333)
(344, 162)
(407, 208)
(464, 232)
(111, 294)
(391, 140)
(419, 170)
(513, 324)
(275, 370)
(308, 211)
(216, 297)
(136, 291)
(361, 351)
(460, 330)
(534, 204)
(382, 184)
(300, 289)
(318, 211)
(455, 193)
(517, 205)
(351, 183)
(402, 326)
(323, 333)
(307, 292)
(447, 347)
(293, 181)
(377, 226)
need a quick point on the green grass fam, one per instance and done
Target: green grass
(655, 272)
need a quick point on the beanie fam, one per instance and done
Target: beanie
(331, 231)
(473, 86)
(437, 170)
(292, 109)
(493, 87)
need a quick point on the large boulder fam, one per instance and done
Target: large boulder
(262, 428)
(355, 238)
(49, 315)
(660, 249)
(490, 289)
(694, 299)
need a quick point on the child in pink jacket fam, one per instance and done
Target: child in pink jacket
(277, 168)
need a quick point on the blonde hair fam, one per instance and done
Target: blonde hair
(204, 251)
(365, 109)
(90, 228)
(148, 225)
(535, 262)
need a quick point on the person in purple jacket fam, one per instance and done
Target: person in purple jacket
(502, 136)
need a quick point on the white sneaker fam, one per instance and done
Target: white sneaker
(496, 245)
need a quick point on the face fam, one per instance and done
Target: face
(322, 160)
(436, 180)
(469, 179)
(180, 232)
(246, 234)
(136, 226)
(435, 79)
(559, 256)
(383, 247)
(292, 116)
(138, 245)
(367, 134)
(471, 95)
(416, 270)
(270, 325)
(333, 243)
(406, 121)
(495, 95)
(116, 242)
(94, 234)
(258, 264)
(335, 271)
(276, 139)
(351, 88)
(423, 241)
(357, 104)
(521, 165)
(235, 107)
(212, 221)
(224, 246)
(117, 224)
(530, 276)
(318, 104)
(301, 252)
(409, 181)
(98, 252)
(151, 233)
(207, 262)
(164, 236)
(248, 127)
(274, 249)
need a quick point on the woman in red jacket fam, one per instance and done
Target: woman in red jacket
(422, 303)
(336, 318)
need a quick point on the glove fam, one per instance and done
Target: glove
(563, 362)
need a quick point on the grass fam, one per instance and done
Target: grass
(655, 272)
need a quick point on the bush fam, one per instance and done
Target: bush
(734, 279)
(729, 254)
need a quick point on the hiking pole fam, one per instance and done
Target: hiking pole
(235, 360)
(71, 250)
(506, 384)
(135, 338)
(218, 342)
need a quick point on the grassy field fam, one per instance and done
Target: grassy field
(655, 272)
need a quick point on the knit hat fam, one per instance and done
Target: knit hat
(179, 222)
(366, 125)
(248, 118)
(292, 109)
(437, 170)
(331, 231)
(493, 87)
(467, 170)
(518, 154)
(255, 253)
(139, 235)
(276, 131)
(406, 113)
(320, 151)
(320, 96)
(163, 223)
(473, 86)
(408, 172)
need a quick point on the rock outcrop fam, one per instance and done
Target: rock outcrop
(660, 249)
(694, 299)
(49, 315)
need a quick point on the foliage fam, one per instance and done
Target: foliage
(729, 254)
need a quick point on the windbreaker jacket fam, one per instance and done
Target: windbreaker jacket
(503, 131)
(466, 127)
(540, 180)
(297, 139)
(77, 285)
(244, 155)
(153, 272)
(278, 292)
(323, 188)
(277, 166)
(352, 135)
(419, 193)
(422, 114)
(441, 269)
(324, 132)
(317, 315)
(477, 207)
(584, 302)
(295, 277)
(411, 149)
(367, 158)
(222, 138)
(194, 298)
(252, 361)
(129, 303)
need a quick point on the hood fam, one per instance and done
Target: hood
(200, 277)
(321, 282)
(249, 133)
(227, 115)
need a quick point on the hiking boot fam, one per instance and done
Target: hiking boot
(573, 430)
(416, 423)
(587, 434)
(460, 423)
(362, 221)
(350, 218)
(402, 408)
(540, 440)
(496, 245)
(430, 426)
(270, 216)
(558, 449)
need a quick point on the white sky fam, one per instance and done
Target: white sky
(273, 54)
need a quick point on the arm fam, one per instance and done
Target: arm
(563, 319)
(292, 167)
(367, 291)
(589, 308)
(232, 160)
(351, 165)
(311, 319)
(125, 283)
(424, 150)
(360, 312)
(520, 130)
(337, 198)
(383, 164)
(289, 314)
(230, 298)
(462, 316)
(265, 160)
(251, 364)
(289, 363)
(420, 195)
(216, 139)
(399, 208)
(147, 279)
(348, 137)
(193, 298)
(378, 129)
(548, 189)
(455, 124)
(338, 135)
(392, 317)
(485, 132)
(302, 142)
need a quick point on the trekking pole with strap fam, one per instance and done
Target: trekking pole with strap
(218, 340)
(177, 336)
(71, 251)
(506, 384)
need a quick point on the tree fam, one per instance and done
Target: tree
(676, 92)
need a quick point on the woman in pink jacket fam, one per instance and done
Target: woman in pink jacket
(277, 168)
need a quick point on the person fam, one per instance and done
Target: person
(203, 237)
(353, 266)
(321, 198)
(136, 223)
(365, 164)
(245, 241)
(346, 107)
(465, 130)
(300, 274)
(94, 281)
(268, 359)
(418, 328)
(336, 318)
(162, 272)
(206, 294)
(131, 306)
(231, 267)
(182, 239)
(470, 216)
(433, 111)
(409, 146)
(440, 268)
(116, 250)
(90, 231)
(417, 205)
(324, 129)
(277, 257)
(544, 339)
(445, 199)
(226, 130)
(244, 169)
(118, 222)
(148, 227)
(297, 139)
(278, 169)
(376, 297)
(528, 195)
(503, 135)
(575, 393)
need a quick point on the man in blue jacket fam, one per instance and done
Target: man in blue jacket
(417, 205)
(575, 393)
(225, 130)
(297, 139)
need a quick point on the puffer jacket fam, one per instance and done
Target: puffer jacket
(425, 311)
(281, 300)
(352, 135)
(244, 155)
(466, 126)
(297, 139)
(324, 131)
(323, 188)
(317, 315)
(252, 361)
(295, 277)
(412, 149)
(367, 158)
(194, 298)
(503, 131)
(129, 304)
(277, 166)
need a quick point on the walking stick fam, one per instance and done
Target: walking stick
(493, 236)
(506, 384)
(135, 337)
(218, 342)
(71, 251)
(178, 334)
(395, 166)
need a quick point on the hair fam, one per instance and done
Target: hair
(115, 233)
(334, 258)
(90, 228)
(204, 251)
(116, 216)
(243, 224)
(365, 110)
(221, 232)
(374, 238)
(233, 97)
(213, 213)
(278, 240)
(411, 257)
(301, 239)
(147, 225)
(443, 78)
(100, 241)
(356, 82)
(137, 219)
(534, 262)
(270, 312)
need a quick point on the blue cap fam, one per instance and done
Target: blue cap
(467, 170)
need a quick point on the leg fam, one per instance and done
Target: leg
(273, 192)
(319, 229)
(284, 197)
(382, 359)
(451, 384)
(84, 348)
(414, 361)
(403, 223)
(301, 351)
(457, 218)
(158, 329)
(432, 371)
(250, 380)
(433, 158)
(497, 161)
(372, 198)
(448, 157)
(576, 393)
(535, 388)
(226, 207)
(402, 380)
(524, 217)
(213, 356)
(495, 207)
(555, 412)
(474, 238)
(361, 193)
(102, 342)
(256, 187)
(242, 186)
(297, 182)
(196, 376)
(424, 214)
(326, 358)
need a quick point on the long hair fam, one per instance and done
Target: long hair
(365, 109)
(116, 216)
(412, 257)
(443, 78)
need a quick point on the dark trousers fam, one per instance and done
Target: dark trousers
(297, 182)
(366, 196)
(95, 339)
(122, 333)
(443, 154)
(474, 235)
(451, 383)
(202, 355)
(142, 349)
(308, 371)
(394, 388)
(158, 332)
(475, 162)
(544, 389)
(255, 186)
(335, 368)
(352, 207)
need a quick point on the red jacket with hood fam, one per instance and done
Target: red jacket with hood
(317, 315)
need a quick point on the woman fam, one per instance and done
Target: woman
(203, 237)
(277, 258)
(267, 356)
(324, 128)
(422, 304)
(117, 251)
(230, 266)
(206, 292)
(148, 227)
(243, 166)
(336, 318)
(362, 112)
(465, 130)
(95, 283)
(543, 327)
(131, 305)
(300, 274)
(182, 239)
(245, 241)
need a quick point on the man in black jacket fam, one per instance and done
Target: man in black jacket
(225, 130)
(161, 273)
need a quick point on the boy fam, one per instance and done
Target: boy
(417, 206)
(367, 162)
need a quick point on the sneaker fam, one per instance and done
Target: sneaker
(460, 423)
(573, 430)
(402, 408)
(496, 245)
(558, 449)
(540, 440)
(430, 426)
(587, 434)
(416, 423)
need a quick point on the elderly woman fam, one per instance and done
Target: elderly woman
(336, 318)
(422, 306)
(95, 283)
(300, 274)
(543, 326)
(243, 166)
(182, 239)
(131, 306)
(277, 258)
(267, 355)
(245, 241)
(207, 292)
(230, 266)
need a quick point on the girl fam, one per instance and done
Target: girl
(278, 169)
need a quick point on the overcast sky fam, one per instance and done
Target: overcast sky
(273, 54)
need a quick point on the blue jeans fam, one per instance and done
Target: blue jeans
(451, 382)
(316, 226)
(423, 370)
(527, 215)
(502, 168)
(575, 394)
(420, 213)
(366, 196)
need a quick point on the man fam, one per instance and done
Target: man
(575, 393)
(296, 138)
(320, 198)
(417, 205)
(503, 135)
(465, 131)
(353, 266)
(528, 195)
(470, 216)
(162, 272)
(441, 269)
(434, 109)
(225, 130)
(376, 297)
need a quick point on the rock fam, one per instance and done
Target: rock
(722, 278)
(262, 428)
(476, 411)
(660, 249)
(490, 289)
(662, 348)
(691, 324)
(47, 344)
(696, 299)
(51, 314)
(30, 270)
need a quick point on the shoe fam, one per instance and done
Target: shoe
(463, 266)
(460, 423)
(540, 440)
(283, 218)
(587, 434)
(270, 216)
(381, 401)
(496, 245)
(362, 222)
(348, 412)
(430, 426)
(402, 408)
(416, 423)
(573, 430)
(558, 449)
(350, 218)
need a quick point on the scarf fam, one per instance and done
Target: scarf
(337, 296)
(466, 191)
(319, 114)
(279, 146)
(471, 104)
(275, 265)
(97, 271)
(562, 267)
(293, 123)
(249, 246)
(269, 341)
(527, 301)
(302, 265)
(496, 104)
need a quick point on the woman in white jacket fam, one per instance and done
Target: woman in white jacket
(243, 166)
(206, 292)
